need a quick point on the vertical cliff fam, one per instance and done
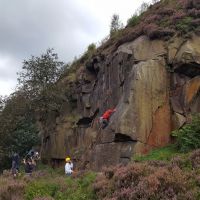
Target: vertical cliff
(154, 86)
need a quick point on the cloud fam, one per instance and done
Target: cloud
(8, 68)
(29, 27)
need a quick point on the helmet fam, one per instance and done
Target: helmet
(67, 159)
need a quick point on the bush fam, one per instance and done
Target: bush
(178, 16)
(188, 4)
(194, 13)
(11, 188)
(153, 18)
(153, 31)
(62, 188)
(195, 22)
(188, 137)
(91, 49)
(184, 25)
(166, 11)
(134, 20)
(84, 190)
(145, 181)
(40, 189)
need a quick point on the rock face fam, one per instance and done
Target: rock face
(154, 86)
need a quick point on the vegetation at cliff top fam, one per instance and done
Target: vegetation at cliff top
(159, 20)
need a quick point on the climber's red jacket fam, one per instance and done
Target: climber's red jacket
(108, 113)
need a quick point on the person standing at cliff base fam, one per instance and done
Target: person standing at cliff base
(15, 164)
(104, 119)
(68, 166)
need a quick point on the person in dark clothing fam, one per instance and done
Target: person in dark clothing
(15, 164)
(104, 119)
(29, 165)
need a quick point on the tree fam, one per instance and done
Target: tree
(39, 73)
(1, 103)
(115, 25)
(18, 130)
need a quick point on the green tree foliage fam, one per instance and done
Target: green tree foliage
(37, 93)
(18, 131)
(39, 73)
(1, 103)
(115, 25)
(188, 137)
(38, 79)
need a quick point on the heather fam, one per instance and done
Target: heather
(177, 179)
(159, 176)
(160, 20)
(167, 173)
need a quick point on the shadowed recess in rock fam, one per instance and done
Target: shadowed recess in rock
(189, 69)
(86, 121)
(46, 139)
(92, 66)
(119, 137)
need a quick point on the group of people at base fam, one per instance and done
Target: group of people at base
(30, 159)
(29, 162)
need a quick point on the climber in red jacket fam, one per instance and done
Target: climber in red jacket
(104, 119)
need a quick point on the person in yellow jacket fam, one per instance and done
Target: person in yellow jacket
(68, 166)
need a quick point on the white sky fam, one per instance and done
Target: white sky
(29, 27)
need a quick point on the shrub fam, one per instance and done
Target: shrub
(195, 22)
(188, 137)
(91, 49)
(184, 25)
(153, 18)
(40, 189)
(153, 31)
(178, 16)
(134, 20)
(194, 13)
(195, 159)
(166, 11)
(143, 181)
(188, 4)
(11, 188)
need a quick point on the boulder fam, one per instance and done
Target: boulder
(178, 121)
(144, 49)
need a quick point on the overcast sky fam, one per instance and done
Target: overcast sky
(29, 27)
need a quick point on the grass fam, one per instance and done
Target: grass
(48, 183)
(62, 187)
(164, 153)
